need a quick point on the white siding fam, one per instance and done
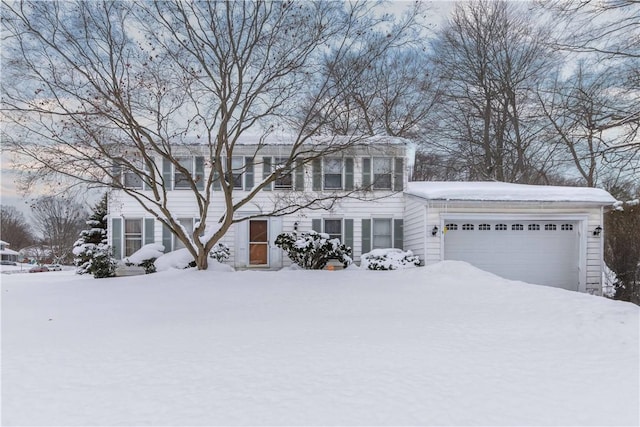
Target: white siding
(415, 235)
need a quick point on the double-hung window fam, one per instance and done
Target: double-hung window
(193, 170)
(382, 233)
(132, 236)
(237, 169)
(333, 227)
(382, 172)
(285, 179)
(332, 174)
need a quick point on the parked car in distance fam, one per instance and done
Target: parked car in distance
(38, 269)
(54, 267)
(5, 262)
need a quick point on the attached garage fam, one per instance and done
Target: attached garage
(546, 252)
(538, 234)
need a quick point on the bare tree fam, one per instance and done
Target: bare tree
(578, 109)
(138, 85)
(489, 57)
(607, 32)
(60, 220)
(15, 229)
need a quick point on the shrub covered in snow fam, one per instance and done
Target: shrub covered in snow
(179, 259)
(146, 256)
(103, 264)
(220, 252)
(312, 250)
(389, 259)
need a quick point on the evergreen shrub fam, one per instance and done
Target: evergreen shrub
(312, 250)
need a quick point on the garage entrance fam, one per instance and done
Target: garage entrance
(540, 252)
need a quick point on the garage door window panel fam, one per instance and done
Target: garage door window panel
(534, 227)
(467, 227)
(517, 227)
(550, 227)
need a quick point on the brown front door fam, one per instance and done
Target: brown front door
(258, 242)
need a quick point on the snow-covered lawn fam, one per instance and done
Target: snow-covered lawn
(440, 345)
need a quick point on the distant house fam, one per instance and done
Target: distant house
(540, 234)
(7, 254)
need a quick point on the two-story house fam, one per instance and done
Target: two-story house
(539, 234)
(363, 220)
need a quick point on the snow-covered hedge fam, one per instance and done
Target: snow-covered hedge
(389, 259)
(312, 250)
(220, 252)
(146, 256)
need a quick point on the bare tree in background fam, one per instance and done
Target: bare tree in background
(14, 228)
(489, 57)
(59, 221)
(607, 32)
(90, 85)
(578, 108)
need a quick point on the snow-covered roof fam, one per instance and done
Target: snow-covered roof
(8, 252)
(502, 191)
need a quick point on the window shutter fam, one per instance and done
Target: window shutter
(398, 180)
(266, 171)
(166, 238)
(366, 236)
(248, 173)
(348, 234)
(398, 233)
(348, 173)
(166, 173)
(149, 232)
(116, 237)
(199, 176)
(316, 225)
(299, 175)
(317, 174)
(366, 173)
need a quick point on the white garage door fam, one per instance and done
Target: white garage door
(541, 252)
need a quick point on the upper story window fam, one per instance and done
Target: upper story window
(333, 174)
(285, 179)
(237, 169)
(383, 173)
(194, 170)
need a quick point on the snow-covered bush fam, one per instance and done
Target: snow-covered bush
(220, 252)
(103, 264)
(312, 250)
(179, 259)
(389, 259)
(146, 256)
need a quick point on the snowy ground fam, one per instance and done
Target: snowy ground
(440, 345)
